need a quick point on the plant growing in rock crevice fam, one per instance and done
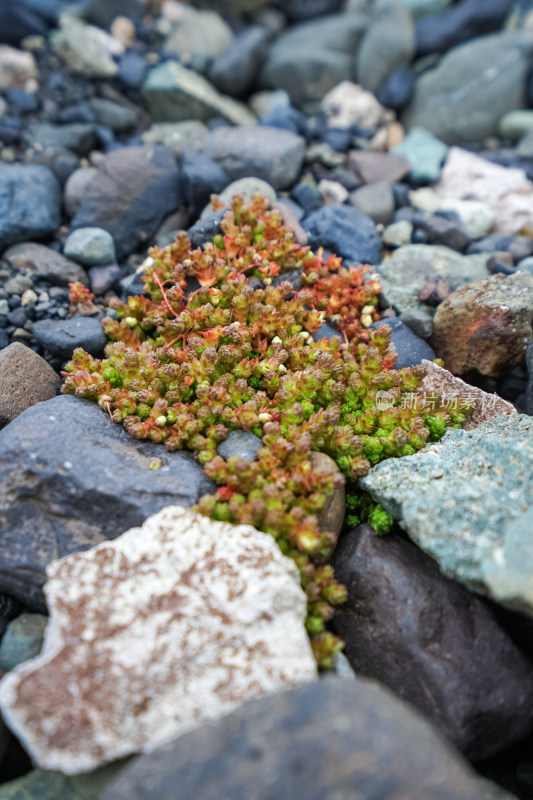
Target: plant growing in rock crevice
(221, 343)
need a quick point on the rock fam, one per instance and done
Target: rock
(424, 152)
(234, 70)
(507, 571)
(388, 43)
(476, 218)
(309, 59)
(490, 72)
(460, 669)
(246, 188)
(104, 12)
(376, 201)
(213, 612)
(506, 191)
(232, 6)
(411, 349)
(344, 230)
(456, 24)
(457, 394)
(75, 188)
(198, 33)
(476, 482)
(398, 234)
(18, 20)
(331, 737)
(326, 331)
(42, 263)
(78, 137)
(333, 192)
(529, 390)
(378, 167)
(30, 203)
(17, 67)
(22, 640)
(486, 325)
(299, 10)
(57, 499)
(271, 154)
(103, 278)
(404, 274)
(174, 93)
(90, 246)
(84, 49)
(62, 337)
(25, 379)
(116, 116)
(40, 784)
(201, 177)
(419, 322)
(331, 517)
(396, 91)
(516, 124)
(133, 216)
(419, 8)
(349, 105)
(240, 444)
(204, 230)
(132, 69)
(438, 229)
(179, 136)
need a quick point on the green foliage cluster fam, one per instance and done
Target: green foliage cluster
(222, 343)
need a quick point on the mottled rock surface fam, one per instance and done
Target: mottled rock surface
(174, 623)
(333, 739)
(431, 642)
(485, 325)
(476, 483)
(40, 262)
(69, 479)
(25, 379)
(30, 203)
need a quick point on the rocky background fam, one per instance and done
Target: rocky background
(397, 133)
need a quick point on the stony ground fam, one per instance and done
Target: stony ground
(397, 133)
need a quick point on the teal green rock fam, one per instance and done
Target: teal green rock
(516, 124)
(424, 152)
(464, 501)
(22, 640)
(41, 784)
(419, 8)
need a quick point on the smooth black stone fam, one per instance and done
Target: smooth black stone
(396, 91)
(62, 338)
(204, 230)
(201, 177)
(439, 32)
(499, 268)
(19, 19)
(411, 348)
(234, 71)
(346, 231)
(69, 479)
(30, 203)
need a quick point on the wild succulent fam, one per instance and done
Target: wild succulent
(219, 342)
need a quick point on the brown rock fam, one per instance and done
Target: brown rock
(458, 394)
(42, 262)
(485, 325)
(332, 515)
(377, 167)
(25, 379)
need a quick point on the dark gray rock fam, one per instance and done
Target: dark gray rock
(272, 154)
(300, 10)
(491, 244)
(389, 43)
(30, 203)
(62, 337)
(326, 331)
(201, 177)
(432, 642)
(234, 71)
(20, 19)
(80, 137)
(396, 90)
(40, 262)
(437, 33)
(346, 231)
(329, 739)
(419, 322)
(243, 444)
(529, 390)
(134, 190)
(443, 231)
(69, 479)
(103, 12)
(22, 640)
(9, 609)
(204, 230)
(411, 348)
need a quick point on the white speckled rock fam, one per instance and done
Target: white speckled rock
(171, 624)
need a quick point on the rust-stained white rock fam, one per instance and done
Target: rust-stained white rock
(171, 624)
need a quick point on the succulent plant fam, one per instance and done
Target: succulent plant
(219, 342)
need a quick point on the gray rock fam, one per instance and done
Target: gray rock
(424, 152)
(40, 262)
(44, 784)
(516, 124)
(529, 391)
(204, 230)
(309, 59)
(420, 8)
(376, 201)
(507, 572)
(179, 136)
(476, 483)
(458, 668)
(419, 322)
(30, 203)
(25, 379)
(474, 85)
(81, 48)
(332, 738)
(62, 337)
(247, 188)
(464, 20)
(274, 155)
(398, 234)
(90, 246)
(326, 331)
(76, 187)
(411, 348)
(243, 444)
(388, 43)
(22, 640)
(174, 93)
(199, 33)
(79, 137)
(114, 115)
(234, 70)
(346, 231)
(331, 517)
(133, 216)
(70, 479)
(404, 274)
